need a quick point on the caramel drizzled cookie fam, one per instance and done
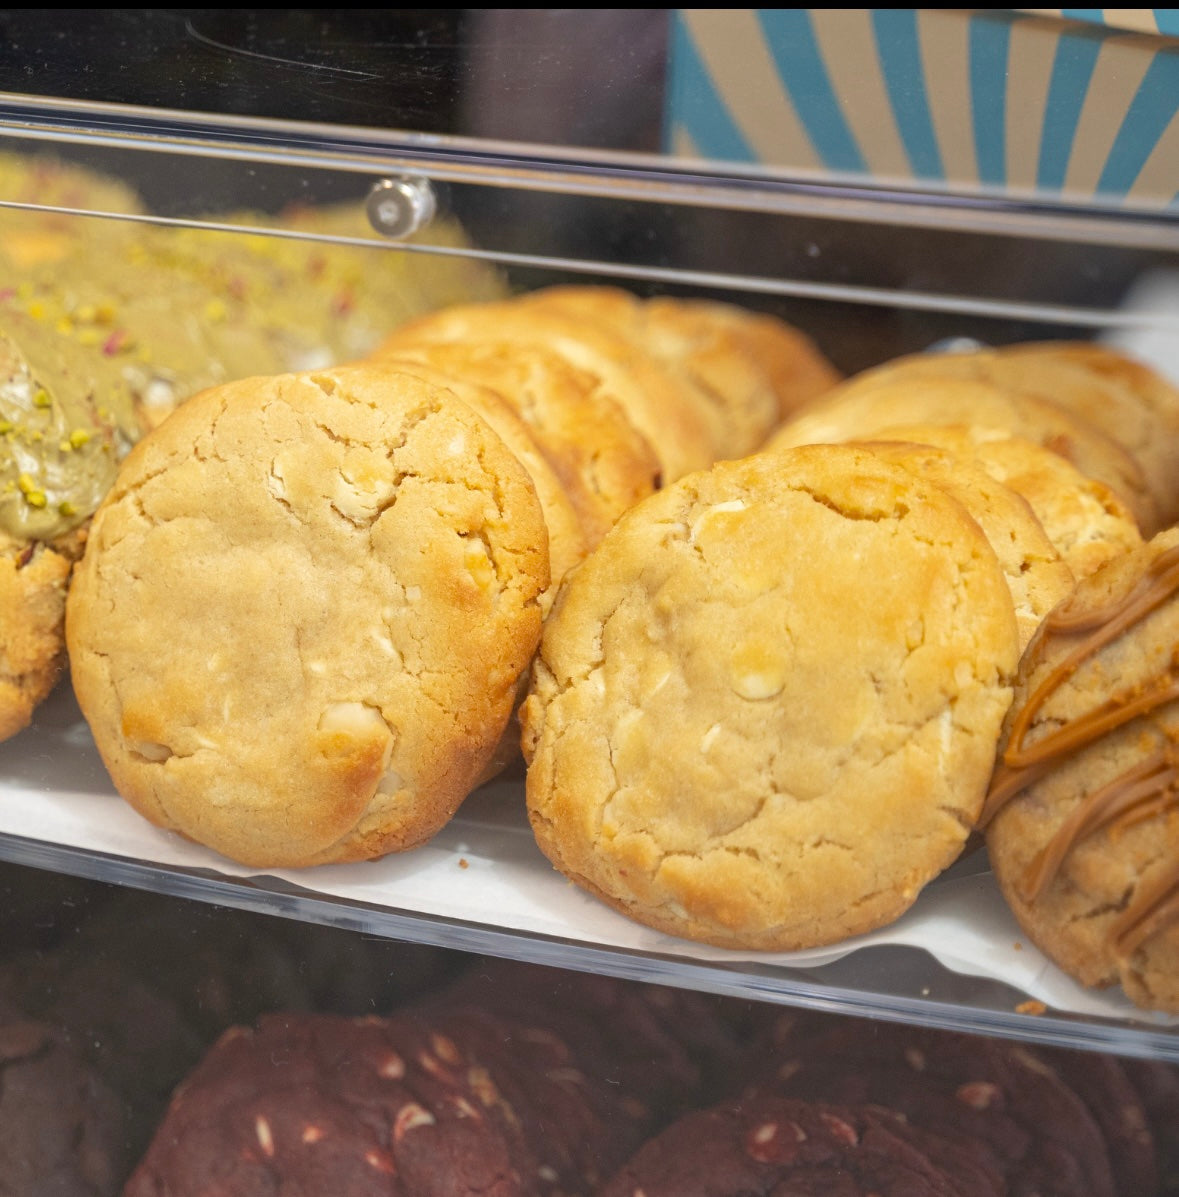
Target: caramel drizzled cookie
(1082, 517)
(871, 402)
(1083, 809)
(1036, 576)
(268, 657)
(766, 706)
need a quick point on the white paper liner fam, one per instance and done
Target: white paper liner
(484, 867)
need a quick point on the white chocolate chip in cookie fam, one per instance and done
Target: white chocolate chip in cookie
(770, 732)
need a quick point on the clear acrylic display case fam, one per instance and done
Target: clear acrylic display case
(552, 138)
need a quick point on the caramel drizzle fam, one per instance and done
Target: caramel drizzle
(1147, 789)
(1149, 913)
(1138, 794)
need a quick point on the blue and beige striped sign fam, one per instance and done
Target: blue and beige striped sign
(998, 100)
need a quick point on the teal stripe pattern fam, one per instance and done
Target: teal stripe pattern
(899, 51)
(1151, 111)
(696, 106)
(1167, 19)
(1072, 70)
(699, 108)
(990, 43)
(791, 40)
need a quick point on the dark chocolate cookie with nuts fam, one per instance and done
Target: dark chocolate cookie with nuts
(1004, 1104)
(460, 1102)
(769, 1146)
(63, 1128)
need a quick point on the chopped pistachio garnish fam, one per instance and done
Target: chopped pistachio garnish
(41, 398)
(66, 508)
(78, 438)
(6, 426)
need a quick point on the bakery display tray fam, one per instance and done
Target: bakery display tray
(956, 960)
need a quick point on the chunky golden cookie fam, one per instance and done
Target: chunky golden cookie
(603, 463)
(33, 581)
(766, 707)
(566, 537)
(887, 397)
(1084, 519)
(1083, 811)
(1125, 399)
(303, 612)
(675, 417)
(1036, 576)
(750, 367)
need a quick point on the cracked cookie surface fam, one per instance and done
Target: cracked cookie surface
(888, 397)
(766, 707)
(305, 607)
(1036, 576)
(1083, 518)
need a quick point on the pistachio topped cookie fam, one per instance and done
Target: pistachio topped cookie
(303, 613)
(766, 707)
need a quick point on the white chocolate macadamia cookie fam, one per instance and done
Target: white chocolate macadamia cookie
(766, 707)
(305, 607)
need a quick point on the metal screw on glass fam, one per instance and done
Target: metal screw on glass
(400, 206)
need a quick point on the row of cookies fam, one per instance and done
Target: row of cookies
(1081, 811)
(171, 1072)
(840, 1106)
(309, 601)
(584, 1087)
(766, 712)
(106, 325)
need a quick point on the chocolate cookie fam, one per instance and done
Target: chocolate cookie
(769, 1146)
(1003, 1105)
(457, 1102)
(63, 1128)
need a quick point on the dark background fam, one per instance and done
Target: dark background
(587, 79)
